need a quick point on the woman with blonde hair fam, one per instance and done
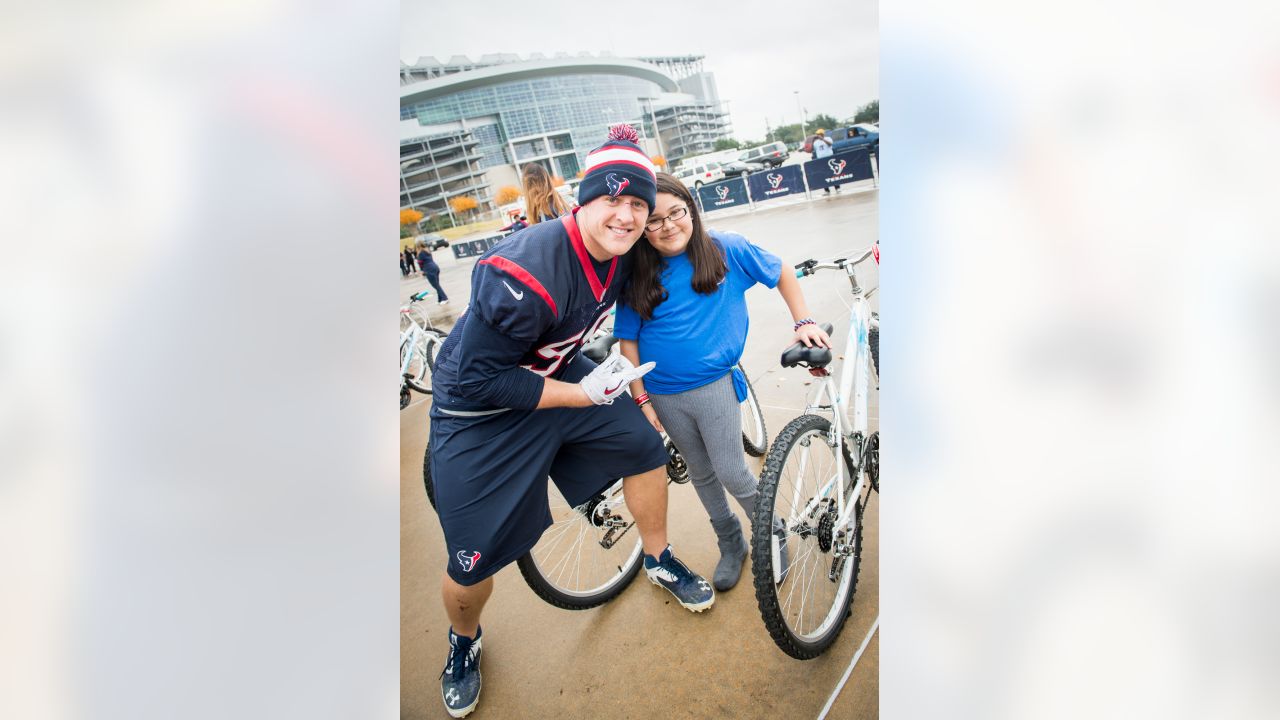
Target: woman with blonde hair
(541, 201)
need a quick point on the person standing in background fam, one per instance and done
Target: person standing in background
(430, 270)
(541, 201)
(822, 149)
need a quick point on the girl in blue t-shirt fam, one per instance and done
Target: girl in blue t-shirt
(686, 310)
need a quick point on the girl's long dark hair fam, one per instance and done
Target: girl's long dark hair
(645, 292)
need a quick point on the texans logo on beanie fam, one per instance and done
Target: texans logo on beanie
(619, 167)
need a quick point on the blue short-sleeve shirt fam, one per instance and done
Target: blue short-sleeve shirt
(695, 339)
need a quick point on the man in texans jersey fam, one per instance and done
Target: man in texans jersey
(514, 401)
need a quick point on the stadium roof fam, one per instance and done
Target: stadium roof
(481, 77)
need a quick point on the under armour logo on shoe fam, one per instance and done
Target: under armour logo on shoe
(452, 697)
(468, 561)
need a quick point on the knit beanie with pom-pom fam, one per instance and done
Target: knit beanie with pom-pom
(619, 167)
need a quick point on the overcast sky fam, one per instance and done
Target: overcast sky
(760, 52)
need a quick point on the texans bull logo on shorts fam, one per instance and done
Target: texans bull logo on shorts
(468, 561)
(615, 184)
(836, 166)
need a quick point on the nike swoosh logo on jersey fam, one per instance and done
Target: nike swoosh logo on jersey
(514, 294)
(614, 389)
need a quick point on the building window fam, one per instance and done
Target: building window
(567, 166)
(530, 148)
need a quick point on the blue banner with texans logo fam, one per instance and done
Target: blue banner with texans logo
(839, 169)
(724, 194)
(474, 248)
(779, 182)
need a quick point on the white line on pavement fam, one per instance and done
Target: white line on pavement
(840, 686)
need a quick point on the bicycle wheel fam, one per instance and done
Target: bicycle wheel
(806, 568)
(589, 554)
(755, 439)
(571, 567)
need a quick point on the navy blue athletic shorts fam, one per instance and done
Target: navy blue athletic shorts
(490, 472)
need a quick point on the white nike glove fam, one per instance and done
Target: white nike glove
(611, 379)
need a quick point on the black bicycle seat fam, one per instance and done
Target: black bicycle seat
(814, 357)
(597, 350)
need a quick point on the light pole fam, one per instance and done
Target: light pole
(800, 111)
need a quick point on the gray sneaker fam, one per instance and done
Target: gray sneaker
(691, 589)
(460, 681)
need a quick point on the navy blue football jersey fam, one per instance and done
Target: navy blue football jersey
(535, 299)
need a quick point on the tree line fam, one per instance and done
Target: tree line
(796, 133)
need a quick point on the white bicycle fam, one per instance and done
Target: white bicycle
(420, 342)
(817, 479)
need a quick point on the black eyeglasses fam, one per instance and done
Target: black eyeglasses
(676, 216)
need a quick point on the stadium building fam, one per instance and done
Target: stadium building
(468, 127)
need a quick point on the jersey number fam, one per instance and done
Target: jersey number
(555, 354)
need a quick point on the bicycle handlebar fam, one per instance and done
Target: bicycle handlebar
(809, 267)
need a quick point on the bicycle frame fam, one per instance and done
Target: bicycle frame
(410, 336)
(413, 320)
(855, 378)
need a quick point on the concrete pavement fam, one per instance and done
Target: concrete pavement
(642, 655)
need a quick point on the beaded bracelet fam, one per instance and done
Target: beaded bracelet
(801, 323)
(642, 399)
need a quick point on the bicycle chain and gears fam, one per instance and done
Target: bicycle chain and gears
(871, 460)
(601, 515)
(677, 470)
(826, 526)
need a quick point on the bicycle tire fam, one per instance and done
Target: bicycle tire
(755, 438)
(873, 338)
(626, 556)
(804, 534)
(433, 349)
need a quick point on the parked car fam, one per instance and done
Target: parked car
(856, 136)
(696, 176)
(736, 167)
(434, 241)
(770, 154)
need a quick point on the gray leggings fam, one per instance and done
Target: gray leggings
(706, 425)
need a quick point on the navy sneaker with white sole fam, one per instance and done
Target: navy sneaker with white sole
(690, 588)
(460, 681)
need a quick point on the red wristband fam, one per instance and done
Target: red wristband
(642, 399)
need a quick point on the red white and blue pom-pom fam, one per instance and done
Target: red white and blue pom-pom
(623, 131)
